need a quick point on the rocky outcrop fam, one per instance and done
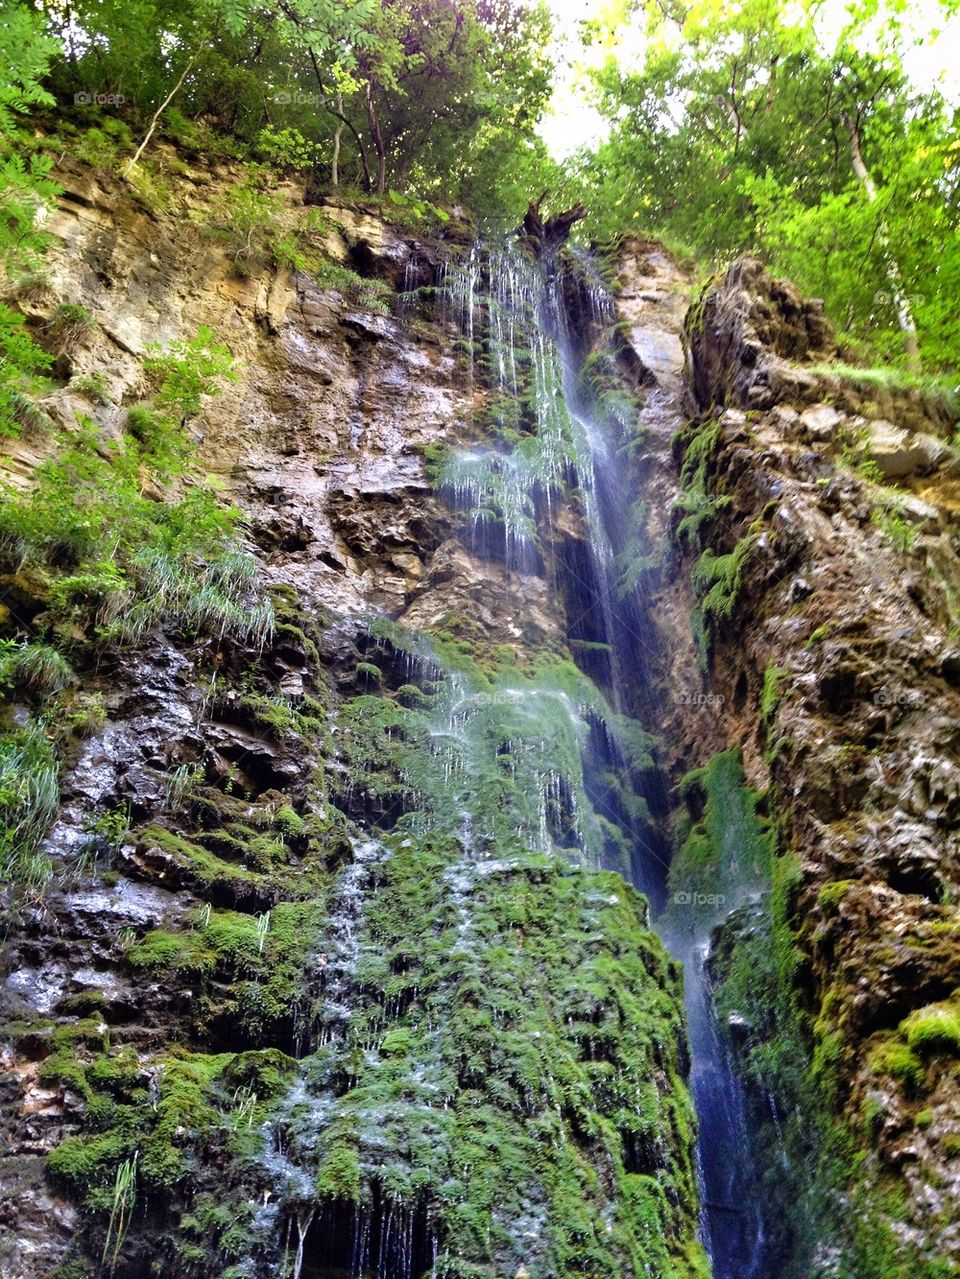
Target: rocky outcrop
(834, 661)
(749, 339)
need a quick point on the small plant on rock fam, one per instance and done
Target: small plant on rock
(69, 325)
(34, 668)
(93, 386)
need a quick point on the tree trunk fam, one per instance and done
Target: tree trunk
(901, 301)
(335, 162)
(544, 237)
(156, 117)
(377, 138)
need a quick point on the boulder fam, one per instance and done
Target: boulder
(898, 453)
(821, 421)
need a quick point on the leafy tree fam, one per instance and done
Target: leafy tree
(405, 94)
(745, 130)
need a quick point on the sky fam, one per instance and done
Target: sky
(572, 122)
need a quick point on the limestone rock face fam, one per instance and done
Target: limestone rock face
(277, 976)
(837, 672)
(748, 339)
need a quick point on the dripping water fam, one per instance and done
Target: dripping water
(529, 329)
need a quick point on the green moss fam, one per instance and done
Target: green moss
(934, 1029)
(510, 1056)
(831, 895)
(731, 844)
(269, 875)
(288, 820)
(774, 678)
(339, 1175)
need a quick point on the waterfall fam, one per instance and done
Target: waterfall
(482, 778)
(509, 487)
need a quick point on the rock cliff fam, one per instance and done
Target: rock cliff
(820, 534)
(333, 959)
(325, 973)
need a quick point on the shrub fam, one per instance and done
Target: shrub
(34, 667)
(188, 370)
(20, 361)
(93, 386)
(288, 148)
(370, 295)
(88, 715)
(246, 219)
(892, 524)
(69, 324)
(106, 549)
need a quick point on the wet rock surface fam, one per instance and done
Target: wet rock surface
(161, 999)
(834, 665)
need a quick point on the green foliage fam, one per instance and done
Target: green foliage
(803, 141)
(118, 561)
(25, 54)
(892, 523)
(287, 148)
(29, 794)
(695, 502)
(36, 668)
(512, 1077)
(87, 715)
(940, 388)
(247, 218)
(102, 145)
(121, 1208)
(717, 579)
(109, 827)
(369, 295)
(93, 386)
(255, 223)
(898, 1060)
(406, 94)
(20, 361)
(730, 844)
(774, 677)
(26, 192)
(188, 370)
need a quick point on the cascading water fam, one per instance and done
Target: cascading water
(510, 493)
(476, 775)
